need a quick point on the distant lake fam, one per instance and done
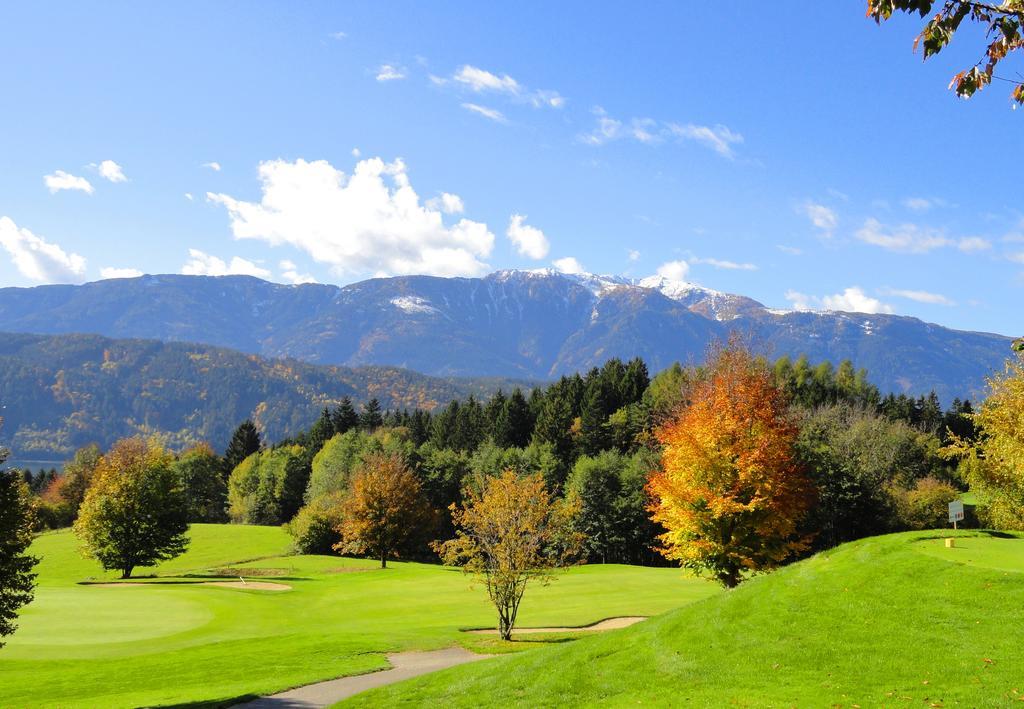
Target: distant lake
(34, 465)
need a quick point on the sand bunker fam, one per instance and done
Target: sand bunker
(249, 585)
(606, 624)
(245, 585)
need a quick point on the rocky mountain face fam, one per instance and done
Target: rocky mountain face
(523, 324)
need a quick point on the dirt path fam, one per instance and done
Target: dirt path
(606, 624)
(404, 665)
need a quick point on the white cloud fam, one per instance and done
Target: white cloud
(356, 152)
(791, 250)
(492, 113)
(111, 272)
(390, 72)
(728, 265)
(369, 222)
(550, 99)
(338, 35)
(674, 270)
(215, 166)
(189, 197)
(923, 204)
(645, 130)
(918, 204)
(203, 264)
(569, 265)
(37, 259)
(290, 273)
(61, 180)
(822, 217)
(447, 203)
(852, 299)
(651, 132)
(480, 80)
(719, 138)
(919, 296)
(110, 170)
(855, 300)
(633, 255)
(529, 241)
(904, 238)
(800, 301)
(1016, 257)
(971, 244)
(607, 129)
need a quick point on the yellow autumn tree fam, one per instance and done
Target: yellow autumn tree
(994, 464)
(730, 492)
(511, 532)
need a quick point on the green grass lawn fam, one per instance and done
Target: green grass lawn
(177, 643)
(888, 621)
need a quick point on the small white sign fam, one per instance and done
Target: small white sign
(956, 511)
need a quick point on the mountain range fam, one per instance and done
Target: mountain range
(521, 324)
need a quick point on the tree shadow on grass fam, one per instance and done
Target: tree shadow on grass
(213, 703)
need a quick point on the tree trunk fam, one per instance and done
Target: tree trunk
(127, 572)
(730, 578)
(383, 559)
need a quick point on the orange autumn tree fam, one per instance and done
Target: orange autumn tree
(385, 513)
(730, 492)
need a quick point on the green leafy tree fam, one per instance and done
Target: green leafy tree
(78, 475)
(135, 512)
(926, 505)
(861, 463)
(442, 473)
(1002, 28)
(201, 473)
(333, 466)
(17, 518)
(244, 442)
(258, 487)
(595, 484)
(315, 528)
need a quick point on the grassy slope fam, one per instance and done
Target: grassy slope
(887, 621)
(164, 644)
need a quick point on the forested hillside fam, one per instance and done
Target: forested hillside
(59, 393)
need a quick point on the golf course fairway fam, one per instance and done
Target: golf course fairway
(897, 620)
(88, 641)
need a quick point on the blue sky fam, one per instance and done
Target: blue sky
(806, 159)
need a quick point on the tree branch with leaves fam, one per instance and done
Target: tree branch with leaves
(1002, 23)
